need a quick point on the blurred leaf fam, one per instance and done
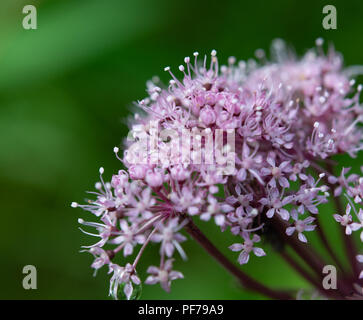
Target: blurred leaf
(68, 34)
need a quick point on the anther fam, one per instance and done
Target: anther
(319, 42)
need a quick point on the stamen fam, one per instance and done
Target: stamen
(116, 150)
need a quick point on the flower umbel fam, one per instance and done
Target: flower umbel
(247, 146)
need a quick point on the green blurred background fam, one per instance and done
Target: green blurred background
(65, 91)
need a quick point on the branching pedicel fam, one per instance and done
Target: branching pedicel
(288, 118)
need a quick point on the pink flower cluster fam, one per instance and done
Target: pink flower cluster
(287, 116)
(353, 186)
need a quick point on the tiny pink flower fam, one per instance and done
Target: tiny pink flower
(345, 220)
(300, 226)
(207, 115)
(247, 247)
(164, 275)
(169, 237)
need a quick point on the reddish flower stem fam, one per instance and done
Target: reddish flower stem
(303, 250)
(318, 285)
(309, 256)
(320, 230)
(348, 241)
(243, 278)
(326, 244)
